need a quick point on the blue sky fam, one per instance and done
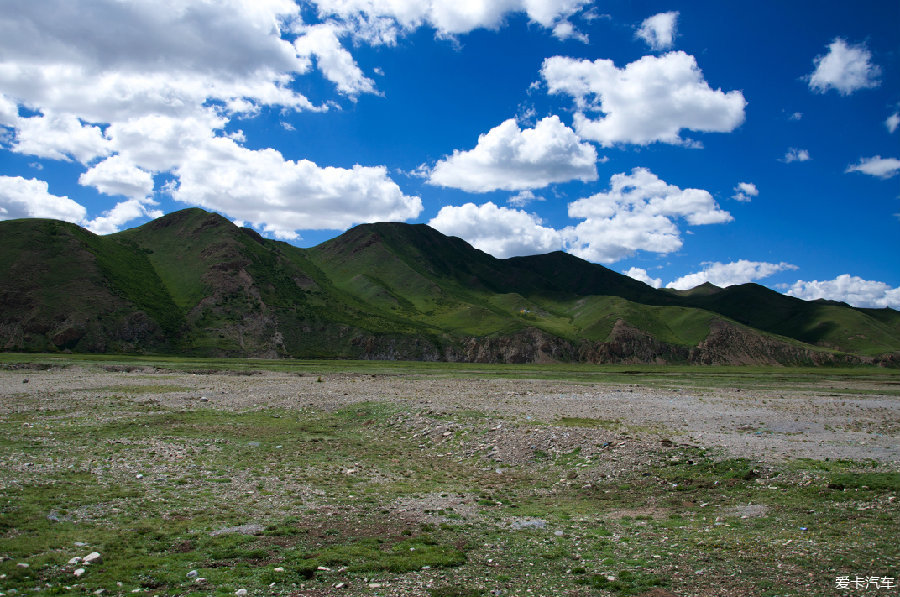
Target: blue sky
(674, 142)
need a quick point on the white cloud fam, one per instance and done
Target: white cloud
(31, 198)
(566, 30)
(500, 231)
(892, 122)
(745, 191)
(647, 101)
(845, 68)
(105, 60)
(512, 159)
(123, 212)
(282, 196)
(116, 176)
(638, 213)
(877, 166)
(795, 155)
(156, 84)
(59, 137)
(852, 290)
(523, 198)
(729, 274)
(336, 63)
(641, 275)
(659, 30)
(383, 20)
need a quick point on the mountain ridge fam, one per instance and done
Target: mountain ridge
(193, 283)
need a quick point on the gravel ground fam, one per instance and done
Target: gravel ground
(765, 425)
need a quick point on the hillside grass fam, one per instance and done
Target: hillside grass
(834, 379)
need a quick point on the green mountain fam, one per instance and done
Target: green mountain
(193, 283)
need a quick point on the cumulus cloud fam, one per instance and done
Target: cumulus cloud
(639, 213)
(500, 231)
(729, 274)
(122, 213)
(877, 166)
(845, 68)
(383, 20)
(745, 191)
(641, 275)
(795, 155)
(282, 196)
(650, 100)
(150, 87)
(512, 159)
(659, 30)
(106, 60)
(335, 62)
(117, 176)
(523, 198)
(31, 198)
(59, 137)
(852, 290)
(892, 122)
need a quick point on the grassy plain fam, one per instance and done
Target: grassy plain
(338, 489)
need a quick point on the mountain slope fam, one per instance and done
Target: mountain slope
(62, 287)
(193, 283)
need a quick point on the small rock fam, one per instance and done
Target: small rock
(92, 558)
(75, 560)
(139, 476)
(323, 569)
(99, 591)
(79, 572)
(192, 574)
(558, 533)
(25, 380)
(254, 444)
(374, 585)
(340, 585)
(22, 565)
(241, 592)
(80, 544)
(200, 580)
(204, 399)
(279, 569)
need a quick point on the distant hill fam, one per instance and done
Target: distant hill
(192, 283)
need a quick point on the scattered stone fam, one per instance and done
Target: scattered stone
(75, 560)
(200, 580)
(80, 544)
(558, 533)
(79, 572)
(139, 476)
(323, 569)
(254, 444)
(375, 585)
(244, 529)
(204, 399)
(22, 564)
(528, 523)
(240, 592)
(192, 574)
(279, 569)
(92, 558)
(340, 585)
